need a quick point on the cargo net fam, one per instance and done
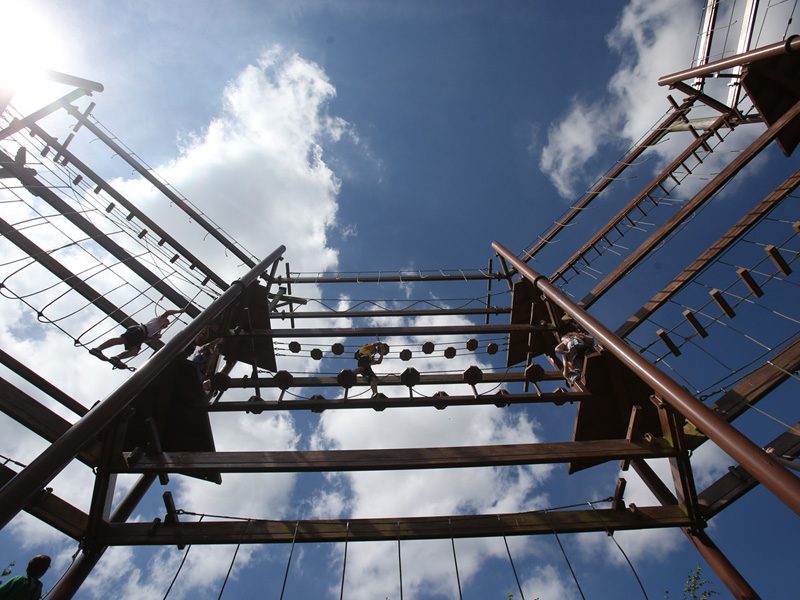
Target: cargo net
(72, 254)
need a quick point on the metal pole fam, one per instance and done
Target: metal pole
(752, 458)
(17, 492)
(727, 572)
(78, 571)
(791, 44)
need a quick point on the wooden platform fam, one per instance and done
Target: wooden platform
(176, 403)
(607, 414)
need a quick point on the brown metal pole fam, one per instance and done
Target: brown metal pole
(78, 571)
(727, 572)
(17, 492)
(753, 459)
(725, 569)
(790, 44)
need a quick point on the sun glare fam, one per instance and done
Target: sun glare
(28, 45)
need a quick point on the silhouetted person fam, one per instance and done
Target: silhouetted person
(135, 336)
(574, 346)
(368, 355)
(28, 586)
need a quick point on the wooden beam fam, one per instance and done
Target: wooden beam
(52, 510)
(418, 528)
(40, 420)
(370, 277)
(716, 184)
(737, 482)
(406, 312)
(395, 458)
(444, 379)
(340, 332)
(755, 386)
(320, 404)
(706, 258)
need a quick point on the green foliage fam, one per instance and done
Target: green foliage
(695, 587)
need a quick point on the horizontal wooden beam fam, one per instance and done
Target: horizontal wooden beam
(394, 277)
(394, 458)
(372, 332)
(405, 312)
(429, 379)
(391, 529)
(320, 404)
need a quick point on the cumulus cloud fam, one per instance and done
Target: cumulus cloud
(646, 37)
(259, 171)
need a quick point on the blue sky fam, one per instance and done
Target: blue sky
(383, 136)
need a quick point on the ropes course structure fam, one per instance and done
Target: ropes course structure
(84, 260)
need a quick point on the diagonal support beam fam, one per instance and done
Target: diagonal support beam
(704, 195)
(17, 492)
(658, 132)
(768, 471)
(51, 509)
(683, 278)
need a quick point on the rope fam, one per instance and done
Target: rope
(566, 558)
(233, 560)
(513, 568)
(630, 564)
(289, 562)
(400, 561)
(344, 562)
(180, 566)
(455, 561)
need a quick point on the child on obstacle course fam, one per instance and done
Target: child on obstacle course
(574, 347)
(134, 337)
(368, 355)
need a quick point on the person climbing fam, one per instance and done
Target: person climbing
(28, 586)
(574, 346)
(368, 355)
(134, 337)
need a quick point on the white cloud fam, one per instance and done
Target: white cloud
(258, 170)
(652, 39)
(547, 583)
(431, 492)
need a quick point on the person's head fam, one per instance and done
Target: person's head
(37, 566)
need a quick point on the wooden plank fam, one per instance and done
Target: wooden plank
(320, 404)
(716, 184)
(39, 419)
(415, 528)
(371, 332)
(706, 258)
(396, 458)
(445, 379)
(52, 510)
(750, 390)
(737, 482)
